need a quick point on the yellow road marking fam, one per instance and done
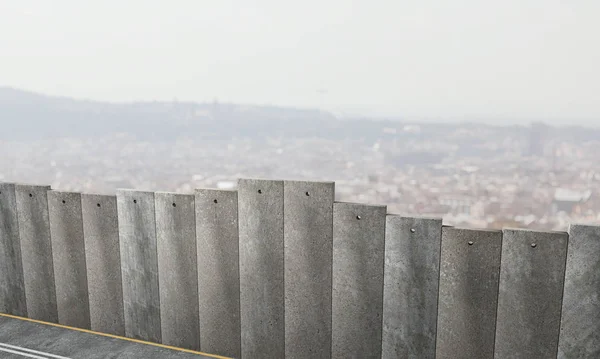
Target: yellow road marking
(113, 336)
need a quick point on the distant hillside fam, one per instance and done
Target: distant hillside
(32, 115)
(27, 115)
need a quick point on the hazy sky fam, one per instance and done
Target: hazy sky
(458, 58)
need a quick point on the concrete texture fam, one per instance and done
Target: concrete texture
(103, 263)
(12, 286)
(139, 265)
(530, 295)
(260, 206)
(217, 243)
(308, 239)
(580, 322)
(68, 257)
(57, 342)
(177, 269)
(36, 252)
(410, 294)
(469, 278)
(358, 266)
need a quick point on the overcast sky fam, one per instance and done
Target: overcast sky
(459, 58)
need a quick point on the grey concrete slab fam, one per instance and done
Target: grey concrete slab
(68, 258)
(217, 243)
(530, 295)
(36, 251)
(41, 340)
(308, 255)
(260, 208)
(358, 268)
(103, 263)
(139, 265)
(177, 269)
(411, 280)
(469, 279)
(580, 321)
(12, 286)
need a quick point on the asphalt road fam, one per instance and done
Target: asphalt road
(23, 338)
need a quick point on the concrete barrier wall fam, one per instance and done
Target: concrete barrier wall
(308, 254)
(36, 252)
(530, 294)
(469, 279)
(177, 269)
(217, 244)
(357, 297)
(277, 269)
(411, 281)
(68, 257)
(580, 321)
(139, 265)
(260, 211)
(103, 263)
(12, 286)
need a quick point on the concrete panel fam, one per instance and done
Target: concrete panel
(260, 206)
(308, 239)
(177, 269)
(139, 265)
(529, 300)
(103, 263)
(217, 243)
(68, 256)
(469, 278)
(410, 295)
(12, 287)
(36, 252)
(358, 267)
(580, 322)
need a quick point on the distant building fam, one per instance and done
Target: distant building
(538, 136)
(569, 201)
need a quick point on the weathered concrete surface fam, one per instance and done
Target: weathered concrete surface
(18, 335)
(358, 267)
(260, 208)
(470, 271)
(139, 265)
(68, 256)
(530, 295)
(217, 243)
(36, 252)
(103, 263)
(308, 239)
(177, 269)
(580, 322)
(410, 295)
(12, 286)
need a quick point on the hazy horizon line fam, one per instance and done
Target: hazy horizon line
(345, 113)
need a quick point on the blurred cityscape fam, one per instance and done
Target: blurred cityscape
(473, 175)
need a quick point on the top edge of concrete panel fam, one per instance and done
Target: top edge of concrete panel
(196, 190)
(509, 229)
(168, 193)
(361, 204)
(486, 230)
(313, 182)
(54, 191)
(97, 195)
(585, 225)
(414, 217)
(129, 191)
(240, 180)
(28, 185)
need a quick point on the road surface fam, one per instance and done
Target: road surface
(22, 338)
